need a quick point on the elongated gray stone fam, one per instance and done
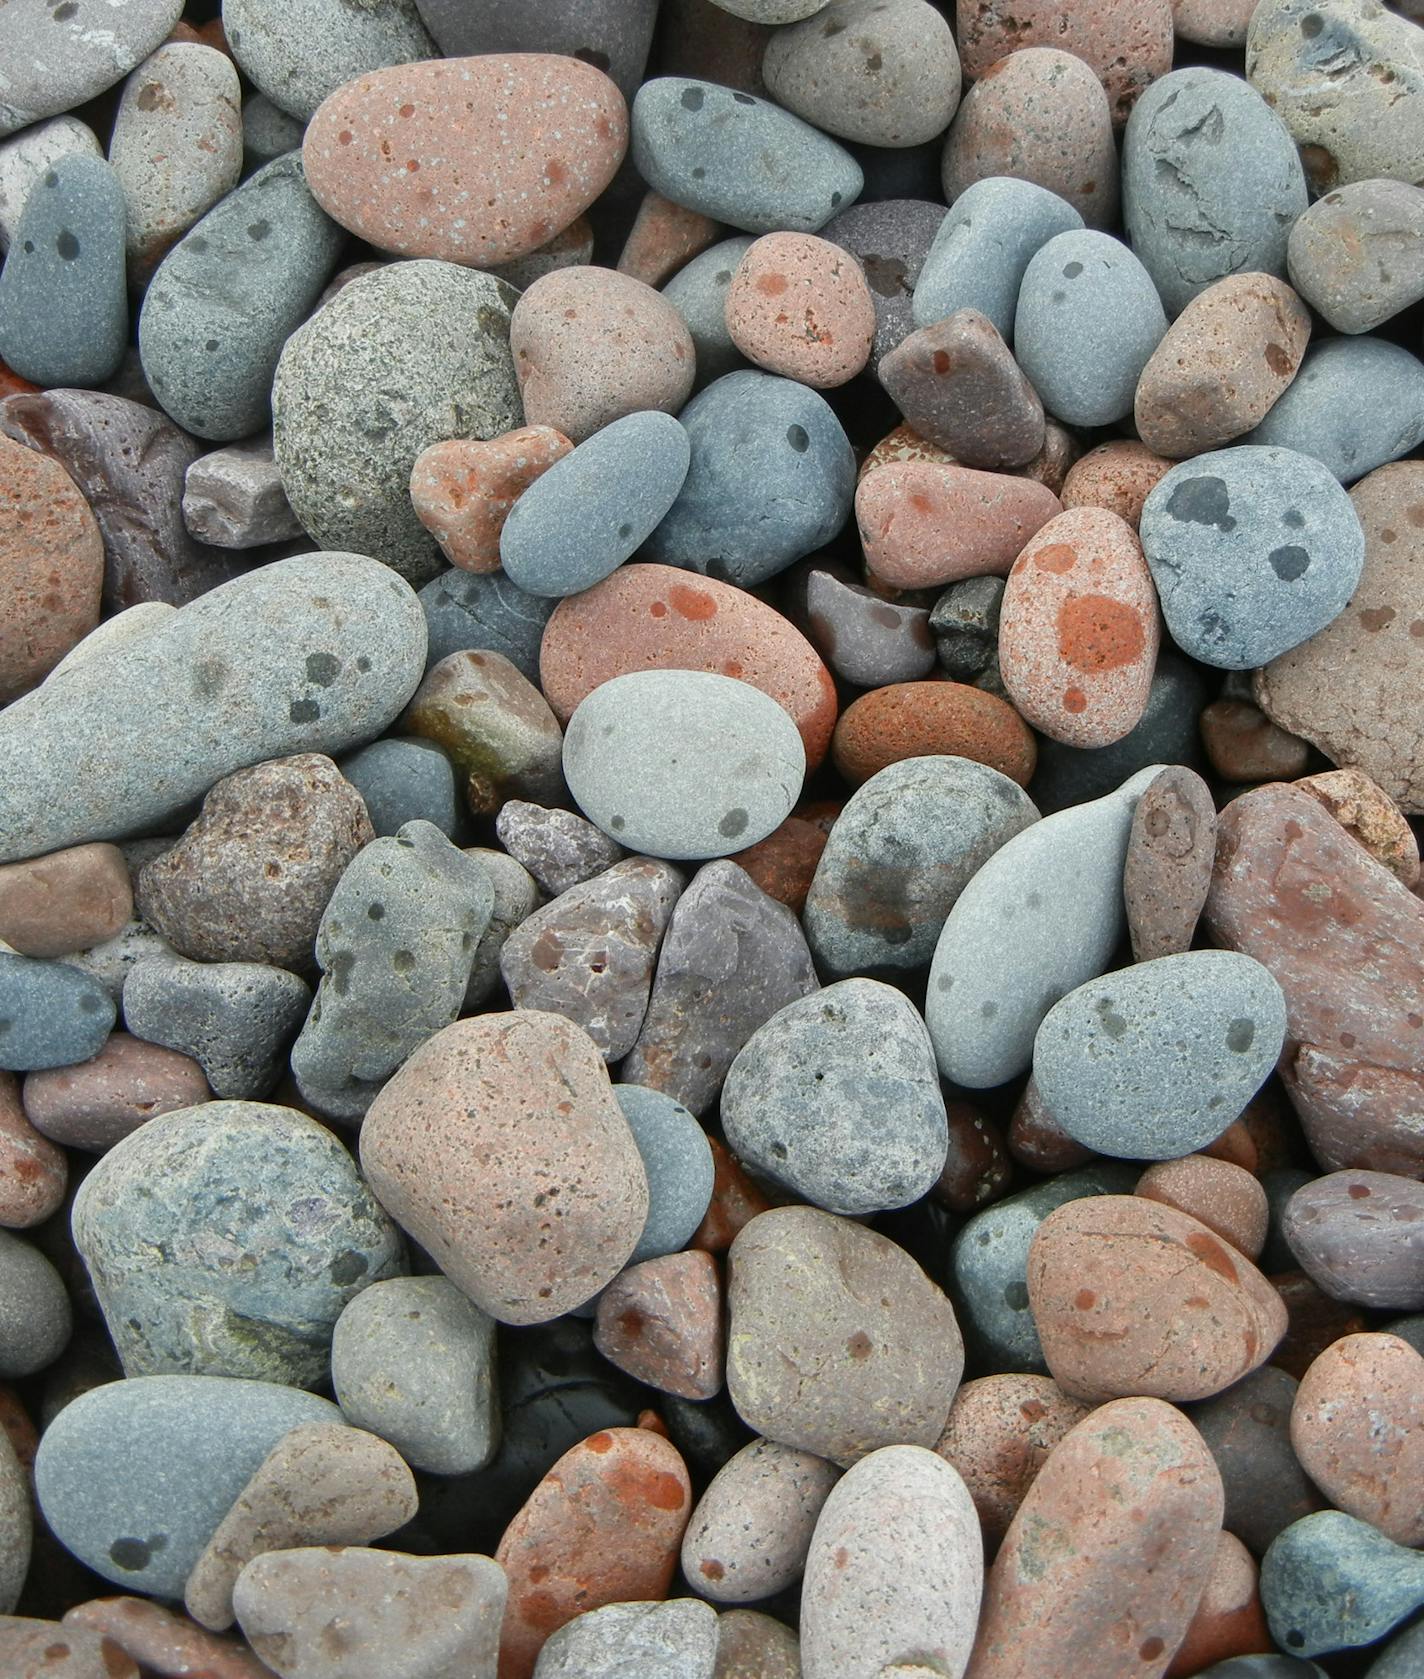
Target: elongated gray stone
(297, 57)
(26, 157)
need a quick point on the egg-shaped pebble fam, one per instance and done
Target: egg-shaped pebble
(698, 292)
(801, 306)
(1344, 253)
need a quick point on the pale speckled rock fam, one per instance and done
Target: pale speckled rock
(559, 850)
(53, 63)
(751, 1645)
(1344, 253)
(233, 497)
(298, 60)
(25, 158)
(802, 307)
(674, 1640)
(1359, 1236)
(516, 896)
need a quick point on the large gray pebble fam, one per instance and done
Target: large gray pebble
(298, 56)
(313, 654)
(405, 781)
(413, 1360)
(683, 764)
(410, 355)
(890, 239)
(612, 35)
(1156, 1061)
(1344, 253)
(1211, 183)
(54, 59)
(469, 612)
(164, 1217)
(17, 1524)
(698, 291)
(26, 157)
(837, 1099)
(673, 1640)
(678, 1161)
(738, 159)
(51, 1014)
(1253, 549)
(134, 1477)
(903, 848)
(35, 1317)
(772, 478)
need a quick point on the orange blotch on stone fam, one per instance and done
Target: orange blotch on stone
(692, 603)
(1085, 1299)
(771, 285)
(600, 1442)
(1074, 700)
(940, 360)
(1057, 557)
(1212, 1254)
(712, 1569)
(1096, 633)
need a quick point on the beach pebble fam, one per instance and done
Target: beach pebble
(54, 1015)
(676, 1640)
(698, 291)
(890, 239)
(1357, 1234)
(558, 849)
(1167, 873)
(1344, 253)
(1214, 23)
(463, 489)
(36, 1649)
(27, 155)
(268, 131)
(866, 640)
(98, 1103)
(802, 307)
(66, 902)
(35, 1320)
(660, 1321)
(783, 864)
(298, 62)
(925, 719)
(1368, 814)
(677, 1157)
(1243, 744)
(55, 63)
(751, 1645)
(1118, 476)
(403, 781)
(1330, 1582)
(516, 896)
(233, 498)
(612, 35)
(751, 1529)
(33, 1172)
(1224, 1197)
(1247, 1430)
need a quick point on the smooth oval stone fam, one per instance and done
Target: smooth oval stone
(99, 1102)
(54, 1015)
(838, 1343)
(681, 764)
(1247, 1429)
(1156, 1061)
(404, 781)
(928, 719)
(1211, 183)
(312, 654)
(1119, 1530)
(895, 1571)
(612, 35)
(438, 1164)
(298, 61)
(904, 847)
(1360, 1235)
(771, 479)
(588, 513)
(133, 1477)
(1355, 404)
(675, 1640)
(801, 306)
(536, 172)
(739, 159)
(1253, 550)
(678, 1160)
(890, 239)
(1131, 1296)
(64, 314)
(26, 157)
(1223, 1196)
(1330, 1582)
(53, 64)
(229, 295)
(698, 291)
(225, 1177)
(407, 356)
(35, 1317)
(66, 902)
(1344, 253)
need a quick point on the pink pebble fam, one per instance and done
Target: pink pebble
(801, 306)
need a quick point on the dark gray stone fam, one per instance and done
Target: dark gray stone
(298, 58)
(698, 292)
(891, 240)
(612, 35)
(1247, 1430)
(485, 613)
(405, 781)
(35, 1317)
(51, 1014)
(559, 849)
(863, 638)
(1330, 1582)
(965, 626)
(678, 1160)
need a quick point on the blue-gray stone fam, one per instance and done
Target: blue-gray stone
(51, 1015)
(1253, 549)
(1267, 1667)
(1402, 1657)
(134, 1477)
(579, 521)
(903, 848)
(1087, 322)
(890, 239)
(405, 781)
(683, 764)
(267, 132)
(678, 1160)
(1211, 183)
(1155, 1061)
(485, 613)
(699, 294)
(35, 1317)
(1355, 404)
(226, 298)
(772, 478)
(225, 1239)
(516, 897)
(1247, 1430)
(836, 1099)
(1331, 1582)
(739, 159)
(988, 1265)
(983, 246)
(298, 58)
(64, 308)
(612, 35)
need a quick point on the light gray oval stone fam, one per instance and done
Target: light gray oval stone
(673, 1640)
(35, 1316)
(1344, 253)
(52, 60)
(297, 56)
(698, 291)
(28, 155)
(17, 1524)
(678, 1161)
(51, 1014)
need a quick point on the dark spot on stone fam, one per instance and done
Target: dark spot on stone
(1359, 1192)
(733, 823)
(259, 230)
(305, 711)
(1295, 1639)
(1240, 1035)
(1016, 1296)
(339, 973)
(798, 438)
(208, 677)
(886, 276)
(1085, 1299)
(624, 532)
(89, 1003)
(347, 1267)
(1311, 25)
(833, 27)
(873, 62)
(1113, 1023)
(29, 247)
(363, 664)
(1150, 1649)
(700, 174)
(50, 178)
(744, 99)
(1202, 501)
(1072, 270)
(1289, 563)
(988, 1011)
(62, 14)
(860, 1346)
(67, 246)
(323, 669)
(835, 196)
(1293, 519)
(692, 98)
(195, 242)
(617, 824)
(778, 1150)
(211, 344)
(375, 912)
(898, 932)
(944, 983)
(591, 55)
(133, 1554)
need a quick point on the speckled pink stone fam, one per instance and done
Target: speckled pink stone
(801, 306)
(462, 489)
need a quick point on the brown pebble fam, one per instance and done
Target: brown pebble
(1230, 1620)
(33, 1172)
(1118, 476)
(665, 237)
(1036, 1140)
(977, 1168)
(801, 307)
(34, 1649)
(919, 719)
(65, 902)
(751, 1645)
(1367, 813)
(1315, 1322)
(736, 1201)
(661, 1322)
(99, 1102)
(1243, 744)
(168, 1644)
(462, 490)
(1223, 1197)
(1171, 847)
(784, 863)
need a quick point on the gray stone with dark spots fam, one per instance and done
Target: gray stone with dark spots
(404, 781)
(51, 1014)
(225, 1239)
(558, 848)
(57, 57)
(863, 638)
(298, 58)
(698, 291)
(466, 611)
(1331, 1582)
(891, 240)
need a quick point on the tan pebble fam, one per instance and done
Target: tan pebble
(801, 306)
(1171, 847)
(1223, 1197)
(665, 237)
(35, 1649)
(99, 1102)
(462, 490)
(33, 1172)
(661, 1322)
(1367, 813)
(1213, 23)
(168, 1644)
(1230, 1620)
(918, 719)
(1118, 476)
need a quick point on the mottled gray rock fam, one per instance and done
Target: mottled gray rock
(402, 781)
(233, 498)
(26, 157)
(1360, 1237)
(133, 1477)
(395, 947)
(890, 239)
(413, 1360)
(55, 60)
(739, 159)
(673, 1640)
(698, 291)
(678, 1161)
(1345, 252)
(903, 848)
(53, 1015)
(465, 610)
(17, 1524)
(235, 1019)
(298, 58)
(125, 626)
(268, 131)
(515, 898)
(730, 959)
(863, 638)
(559, 849)
(751, 1645)
(407, 356)
(313, 654)
(612, 35)
(965, 627)
(1401, 1658)
(35, 1318)
(1331, 1582)
(1247, 1431)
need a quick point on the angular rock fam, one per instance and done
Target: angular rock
(560, 850)
(661, 1322)
(463, 490)
(233, 498)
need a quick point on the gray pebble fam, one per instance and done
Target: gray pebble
(516, 897)
(17, 1524)
(1247, 1430)
(413, 1360)
(836, 1099)
(55, 60)
(1331, 1582)
(678, 1160)
(559, 849)
(772, 478)
(698, 291)
(1211, 183)
(1357, 255)
(965, 627)
(983, 246)
(64, 311)
(672, 1640)
(1402, 1657)
(35, 1317)
(51, 1014)
(890, 239)
(163, 1218)
(313, 654)
(865, 639)
(233, 498)
(486, 613)
(1266, 1667)
(612, 35)
(737, 158)
(405, 781)
(683, 764)
(1253, 549)
(579, 521)
(1087, 322)
(267, 132)
(26, 157)
(298, 58)
(1359, 1236)
(235, 1019)
(134, 1477)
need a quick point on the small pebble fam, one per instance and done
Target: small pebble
(1330, 1582)
(99, 1102)
(866, 640)
(663, 238)
(33, 1172)
(404, 781)
(676, 1640)
(1344, 252)
(54, 1015)
(1224, 1197)
(1243, 744)
(1247, 1429)
(1118, 476)
(35, 1315)
(677, 1157)
(660, 1320)
(463, 490)
(560, 850)
(802, 307)
(233, 498)
(1167, 873)
(926, 719)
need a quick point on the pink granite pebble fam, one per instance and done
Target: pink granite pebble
(99, 1102)
(661, 1322)
(801, 306)
(462, 490)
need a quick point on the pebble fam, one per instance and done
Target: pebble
(235, 1019)
(404, 781)
(865, 640)
(904, 848)
(1111, 1284)
(31, 1648)
(731, 959)
(1399, 1656)
(57, 63)
(462, 1183)
(802, 307)
(66, 902)
(33, 1172)
(1229, 1619)
(783, 864)
(660, 1320)
(1330, 1582)
(890, 239)
(1355, 1234)
(1344, 253)
(134, 1477)
(1087, 324)
(559, 850)
(570, 249)
(676, 1640)
(515, 898)
(1211, 183)
(1247, 1429)
(1167, 873)
(16, 1527)
(35, 1317)
(1222, 1196)
(1253, 550)
(737, 158)
(63, 306)
(1039, 115)
(621, 761)
(958, 385)
(1214, 23)
(1118, 476)
(678, 1160)
(924, 719)
(462, 490)
(1243, 744)
(99, 1102)
(895, 1570)
(536, 173)
(751, 1645)
(698, 292)
(267, 131)
(1368, 814)
(838, 1343)
(165, 1642)
(25, 158)
(297, 63)
(413, 1361)
(612, 35)
(53, 1014)
(233, 498)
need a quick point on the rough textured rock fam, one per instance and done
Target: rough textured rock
(1358, 1236)
(99, 1102)
(661, 1321)
(676, 1640)
(1167, 873)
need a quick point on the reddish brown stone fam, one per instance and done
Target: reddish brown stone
(661, 1322)
(664, 237)
(1170, 850)
(1223, 1197)
(920, 719)
(1118, 476)
(1230, 1620)
(462, 490)
(99, 1102)
(801, 306)
(736, 1201)
(1037, 1142)
(1315, 1322)
(33, 1172)
(65, 902)
(784, 863)
(166, 1643)
(17, 1427)
(1243, 744)
(1367, 813)
(34, 1649)
(977, 1169)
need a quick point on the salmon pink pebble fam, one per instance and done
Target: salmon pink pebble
(1224, 1197)
(801, 306)
(1118, 476)
(462, 490)
(925, 719)
(1229, 1620)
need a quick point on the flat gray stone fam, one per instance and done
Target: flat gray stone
(53, 1015)
(678, 1161)
(465, 611)
(55, 60)
(673, 1640)
(890, 239)
(35, 1317)
(298, 58)
(405, 781)
(698, 291)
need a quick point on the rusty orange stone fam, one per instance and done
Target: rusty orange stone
(1118, 476)
(462, 490)
(922, 719)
